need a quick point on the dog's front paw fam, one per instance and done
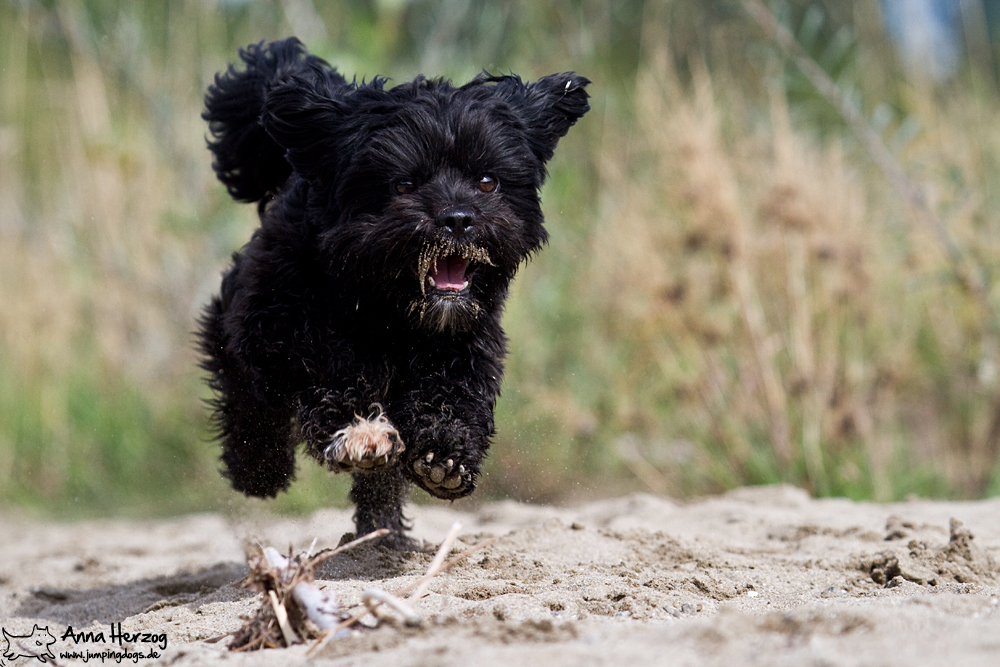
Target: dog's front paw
(443, 477)
(364, 446)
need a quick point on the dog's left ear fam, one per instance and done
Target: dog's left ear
(548, 107)
(310, 122)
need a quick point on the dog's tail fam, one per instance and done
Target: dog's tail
(250, 164)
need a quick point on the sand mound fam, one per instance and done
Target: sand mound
(757, 576)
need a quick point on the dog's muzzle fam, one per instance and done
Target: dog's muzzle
(446, 270)
(447, 266)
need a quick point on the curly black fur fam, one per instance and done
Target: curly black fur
(392, 222)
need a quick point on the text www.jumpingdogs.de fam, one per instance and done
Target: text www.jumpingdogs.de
(114, 645)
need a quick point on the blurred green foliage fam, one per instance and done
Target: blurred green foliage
(732, 295)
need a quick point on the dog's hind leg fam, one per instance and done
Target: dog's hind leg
(257, 450)
(257, 447)
(378, 498)
(256, 440)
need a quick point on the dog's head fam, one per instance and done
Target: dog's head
(428, 192)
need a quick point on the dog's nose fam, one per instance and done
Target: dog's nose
(455, 220)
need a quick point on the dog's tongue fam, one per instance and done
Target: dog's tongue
(449, 273)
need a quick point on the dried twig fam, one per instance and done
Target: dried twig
(374, 597)
(421, 587)
(329, 553)
(282, 615)
(454, 560)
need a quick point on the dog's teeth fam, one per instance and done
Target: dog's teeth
(465, 284)
(431, 280)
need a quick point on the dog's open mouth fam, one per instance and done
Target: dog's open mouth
(448, 268)
(449, 274)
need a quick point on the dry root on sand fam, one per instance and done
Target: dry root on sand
(295, 610)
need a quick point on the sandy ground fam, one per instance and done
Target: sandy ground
(759, 576)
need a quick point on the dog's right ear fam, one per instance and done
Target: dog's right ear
(552, 105)
(307, 122)
(548, 107)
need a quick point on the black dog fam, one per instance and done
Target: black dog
(363, 318)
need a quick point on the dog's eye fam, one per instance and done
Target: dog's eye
(403, 187)
(488, 183)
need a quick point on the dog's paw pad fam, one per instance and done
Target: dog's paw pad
(443, 477)
(365, 445)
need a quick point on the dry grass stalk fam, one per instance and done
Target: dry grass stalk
(967, 269)
(737, 264)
